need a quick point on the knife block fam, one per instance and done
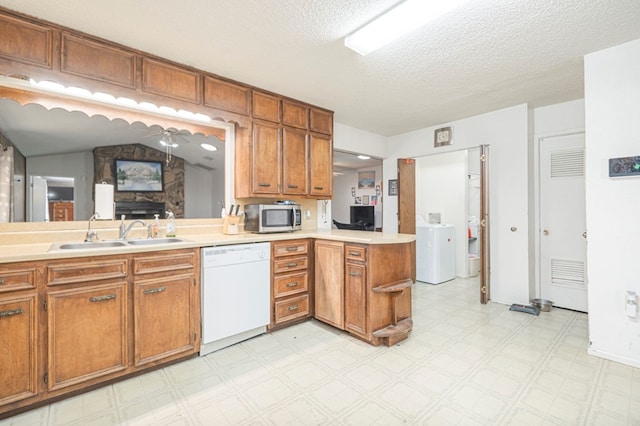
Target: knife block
(231, 225)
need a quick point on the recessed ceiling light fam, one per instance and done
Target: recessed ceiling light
(364, 157)
(208, 147)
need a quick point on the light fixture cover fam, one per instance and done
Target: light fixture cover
(397, 22)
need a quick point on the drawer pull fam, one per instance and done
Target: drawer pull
(1, 281)
(102, 298)
(292, 264)
(293, 248)
(355, 274)
(292, 284)
(355, 253)
(10, 312)
(293, 307)
(155, 290)
(293, 186)
(264, 184)
(319, 188)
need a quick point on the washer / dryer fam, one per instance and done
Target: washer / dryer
(435, 253)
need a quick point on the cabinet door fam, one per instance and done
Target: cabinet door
(321, 167)
(329, 282)
(18, 348)
(355, 299)
(163, 318)
(87, 333)
(294, 161)
(266, 164)
(266, 107)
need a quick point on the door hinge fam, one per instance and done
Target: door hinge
(45, 378)
(44, 305)
(483, 289)
(483, 157)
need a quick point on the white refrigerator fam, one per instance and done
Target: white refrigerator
(435, 253)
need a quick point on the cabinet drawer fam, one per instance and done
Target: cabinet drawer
(163, 262)
(289, 309)
(17, 279)
(290, 264)
(289, 284)
(87, 271)
(288, 248)
(355, 253)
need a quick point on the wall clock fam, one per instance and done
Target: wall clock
(442, 136)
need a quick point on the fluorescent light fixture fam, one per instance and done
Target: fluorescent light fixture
(208, 147)
(105, 98)
(364, 157)
(402, 19)
(169, 144)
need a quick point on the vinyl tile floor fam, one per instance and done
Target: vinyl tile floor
(463, 364)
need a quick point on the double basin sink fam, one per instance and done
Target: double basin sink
(114, 243)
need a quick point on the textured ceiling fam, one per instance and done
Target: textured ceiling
(484, 56)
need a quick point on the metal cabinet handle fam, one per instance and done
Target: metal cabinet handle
(10, 312)
(293, 186)
(293, 307)
(1, 281)
(355, 274)
(102, 298)
(355, 253)
(292, 284)
(292, 248)
(264, 184)
(319, 188)
(292, 264)
(155, 290)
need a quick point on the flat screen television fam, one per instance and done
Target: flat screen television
(363, 213)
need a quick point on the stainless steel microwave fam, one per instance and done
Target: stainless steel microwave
(264, 218)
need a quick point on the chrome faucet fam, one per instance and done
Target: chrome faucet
(125, 231)
(92, 235)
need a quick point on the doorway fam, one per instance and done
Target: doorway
(452, 188)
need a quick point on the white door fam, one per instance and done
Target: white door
(563, 251)
(38, 201)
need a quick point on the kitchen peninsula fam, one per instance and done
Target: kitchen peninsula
(81, 318)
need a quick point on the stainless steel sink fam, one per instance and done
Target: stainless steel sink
(154, 241)
(88, 246)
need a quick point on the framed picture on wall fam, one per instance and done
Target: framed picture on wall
(365, 200)
(138, 176)
(393, 186)
(367, 179)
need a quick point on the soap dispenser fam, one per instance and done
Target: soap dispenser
(123, 228)
(155, 227)
(171, 225)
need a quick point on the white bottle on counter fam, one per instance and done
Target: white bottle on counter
(171, 225)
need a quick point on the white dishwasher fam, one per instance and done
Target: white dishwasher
(235, 294)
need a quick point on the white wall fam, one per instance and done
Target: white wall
(612, 111)
(358, 141)
(507, 133)
(203, 192)
(441, 188)
(78, 166)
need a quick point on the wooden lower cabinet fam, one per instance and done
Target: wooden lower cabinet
(87, 333)
(163, 318)
(355, 299)
(70, 324)
(290, 282)
(19, 370)
(329, 282)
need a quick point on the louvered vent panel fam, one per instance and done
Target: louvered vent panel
(567, 273)
(567, 163)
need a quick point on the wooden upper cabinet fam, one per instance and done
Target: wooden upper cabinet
(266, 158)
(295, 114)
(321, 121)
(97, 61)
(266, 107)
(25, 42)
(294, 161)
(227, 96)
(175, 82)
(321, 166)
